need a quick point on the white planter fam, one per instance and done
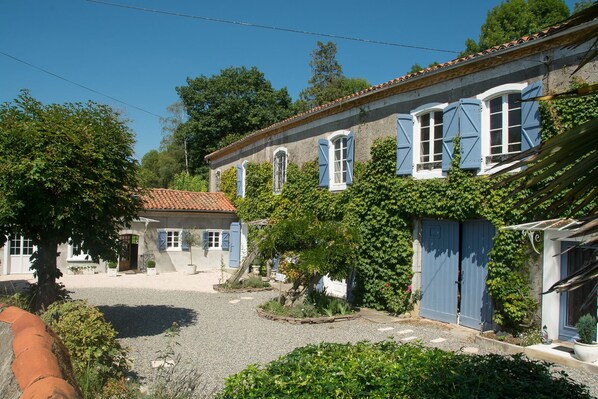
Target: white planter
(190, 269)
(112, 271)
(586, 352)
(151, 271)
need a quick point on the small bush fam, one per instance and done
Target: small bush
(586, 328)
(91, 341)
(251, 282)
(390, 370)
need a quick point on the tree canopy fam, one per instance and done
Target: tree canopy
(513, 19)
(236, 102)
(327, 82)
(67, 173)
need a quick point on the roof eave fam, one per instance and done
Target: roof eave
(562, 37)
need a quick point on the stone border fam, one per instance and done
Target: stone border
(219, 288)
(41, 365)
(307, 320)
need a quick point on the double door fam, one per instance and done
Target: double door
(454, 271)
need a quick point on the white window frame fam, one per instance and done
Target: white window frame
(331, 161)
(244, 178)
(21, 240)
(485, 98)
(179, 246)
(416, 114)
(278, 190)
(209, 246)
(217, 180)
(81, 257)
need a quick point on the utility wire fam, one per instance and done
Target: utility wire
(78, 84)
(276, 28)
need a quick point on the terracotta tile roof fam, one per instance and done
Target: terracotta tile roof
(383, 86)
(41, 367)
(177, 200)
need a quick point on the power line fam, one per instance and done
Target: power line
(78, 84)
(276, 28)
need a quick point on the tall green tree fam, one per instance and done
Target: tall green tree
(513, 19)
(236, 102)
(327, 82)
(158, 168)
(67, 172)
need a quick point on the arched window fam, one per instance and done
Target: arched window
(279, 169)
(335, 158)
(217, 180)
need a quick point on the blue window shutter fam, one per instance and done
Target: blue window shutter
(323, 162)
(205, 240)
(404, 144)
(530, 116)
(450, 128)
(225, 235)
(470, 131)
(184, 237)
(239, 180)
(350, 157)
(161, 240)
(234, 255)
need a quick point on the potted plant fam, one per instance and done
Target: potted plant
(151, 267)
(112, 268)
(586, 348)
(189, 240)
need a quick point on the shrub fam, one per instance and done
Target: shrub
(316, 304)
(586, 328)
(91, 341)
(151, 264)
(387, 369)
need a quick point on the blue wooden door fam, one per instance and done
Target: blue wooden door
(440, 269)
(234, 254)
(476, 306)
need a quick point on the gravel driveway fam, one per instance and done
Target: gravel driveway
(221, 333)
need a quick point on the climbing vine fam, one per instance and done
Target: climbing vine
(382, 207)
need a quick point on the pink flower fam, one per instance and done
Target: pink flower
(388, 285)
(409, 289)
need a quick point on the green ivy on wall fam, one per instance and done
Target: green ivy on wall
(383, 207)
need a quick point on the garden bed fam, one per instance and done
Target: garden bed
(306, 320)
(223, 288)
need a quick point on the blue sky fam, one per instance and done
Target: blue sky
(139, 57)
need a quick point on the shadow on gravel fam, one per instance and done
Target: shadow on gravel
(146, 320)
(12, 286)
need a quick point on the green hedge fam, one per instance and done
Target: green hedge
(391, 370)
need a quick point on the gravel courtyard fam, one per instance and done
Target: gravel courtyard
(221, 333)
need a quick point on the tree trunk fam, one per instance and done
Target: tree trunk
(47, 272)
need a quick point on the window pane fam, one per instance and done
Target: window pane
(425, 151)
(438, 131)
(425, 133)
(27, 247)
(514, 100)
(514, 135)
(496, 105)
(425, 120)
(438, 150)
(15, 246)
(496, 121)
(515, 117)
(581, 300)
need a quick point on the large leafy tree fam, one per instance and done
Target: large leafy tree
(327, 82)
(67, 172)
(234, 103)
(513, 19)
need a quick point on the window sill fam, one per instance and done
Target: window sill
(429, 174)
(79, 260)
(338, 187)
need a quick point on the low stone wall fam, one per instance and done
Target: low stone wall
(34, 362)
(306, 320)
